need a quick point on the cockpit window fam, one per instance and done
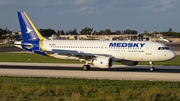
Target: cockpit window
(166, 48)
(163, 48)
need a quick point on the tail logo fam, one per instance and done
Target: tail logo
(28, 30)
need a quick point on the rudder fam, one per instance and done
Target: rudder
(28, 30)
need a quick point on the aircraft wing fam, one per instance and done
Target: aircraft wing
(74, 53)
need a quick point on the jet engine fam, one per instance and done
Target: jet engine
(103, 62)
(129, 63)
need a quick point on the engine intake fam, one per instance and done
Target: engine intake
(103, 62)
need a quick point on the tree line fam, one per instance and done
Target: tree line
(171, 33)
(3, 33)
(164, 33)
(87, 31)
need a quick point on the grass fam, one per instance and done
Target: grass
(36, 58)
(6, 45)
(71, 89)
(174, 62)
(32, 58)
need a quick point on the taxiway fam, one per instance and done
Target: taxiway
(119, 72)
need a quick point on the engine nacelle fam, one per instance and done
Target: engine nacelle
(129, 63)
(103, 62)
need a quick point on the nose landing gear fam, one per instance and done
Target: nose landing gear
(151, 66)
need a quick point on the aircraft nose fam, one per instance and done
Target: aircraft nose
(172, 55)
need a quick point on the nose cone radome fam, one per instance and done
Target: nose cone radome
(171, 55)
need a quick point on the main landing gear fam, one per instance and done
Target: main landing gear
(86, 67)
(152, 67)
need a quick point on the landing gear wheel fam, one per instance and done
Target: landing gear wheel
(86, 67)
(152, 69)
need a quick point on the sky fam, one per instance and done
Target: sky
(139, 15)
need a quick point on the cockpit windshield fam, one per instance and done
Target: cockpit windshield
(163, 48)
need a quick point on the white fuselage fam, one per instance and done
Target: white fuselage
(101, 54)
(119, 50)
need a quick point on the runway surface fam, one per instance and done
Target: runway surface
(12, 49)
(165, 73)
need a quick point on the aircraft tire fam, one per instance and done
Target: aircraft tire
(152, 69)
(86, 67)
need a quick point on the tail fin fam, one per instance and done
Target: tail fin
(28, 30)
(91, 32)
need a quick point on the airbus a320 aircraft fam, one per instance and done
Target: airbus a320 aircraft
(101, 54)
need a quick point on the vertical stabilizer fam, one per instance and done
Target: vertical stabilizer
(28, 30)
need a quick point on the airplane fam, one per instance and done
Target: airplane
(101, 54)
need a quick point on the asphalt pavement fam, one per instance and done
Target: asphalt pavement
(119, 72)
